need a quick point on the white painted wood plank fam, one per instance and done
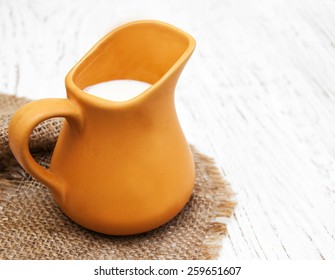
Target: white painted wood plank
(257, 95)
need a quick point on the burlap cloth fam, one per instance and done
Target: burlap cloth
(33, 227)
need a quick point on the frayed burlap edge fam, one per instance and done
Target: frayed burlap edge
(223, 206)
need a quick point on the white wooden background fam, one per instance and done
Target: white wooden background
(258, 95)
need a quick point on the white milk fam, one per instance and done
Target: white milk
(118, 90)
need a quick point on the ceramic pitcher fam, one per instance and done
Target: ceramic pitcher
(118, 167)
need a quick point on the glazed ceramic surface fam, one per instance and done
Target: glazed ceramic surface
(118, 167)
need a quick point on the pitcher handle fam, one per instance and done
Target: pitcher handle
(21, 126)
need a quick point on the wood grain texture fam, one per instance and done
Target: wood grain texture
(258, 95)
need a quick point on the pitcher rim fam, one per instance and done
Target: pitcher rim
(73, 89)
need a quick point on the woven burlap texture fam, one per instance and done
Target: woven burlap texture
(33, 227)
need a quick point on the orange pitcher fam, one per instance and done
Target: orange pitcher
(118, 167)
